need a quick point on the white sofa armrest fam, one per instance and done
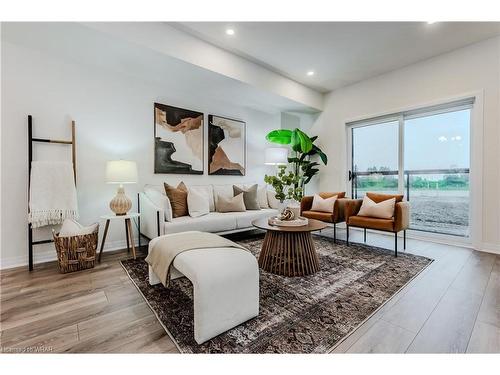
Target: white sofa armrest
(152, 217)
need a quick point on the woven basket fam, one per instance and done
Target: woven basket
(76, 253)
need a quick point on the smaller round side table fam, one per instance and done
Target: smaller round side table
(128, 230)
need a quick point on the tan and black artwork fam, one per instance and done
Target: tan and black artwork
(226, 146)
(178, 140)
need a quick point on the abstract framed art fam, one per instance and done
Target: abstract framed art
(178, 140)
(226, 146)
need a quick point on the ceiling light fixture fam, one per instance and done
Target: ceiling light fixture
(230, 31)
(310, 73)
(431, 22)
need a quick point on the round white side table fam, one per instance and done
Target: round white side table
(128, 230)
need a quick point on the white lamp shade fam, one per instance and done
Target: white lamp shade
(276, 156)
(121, 172)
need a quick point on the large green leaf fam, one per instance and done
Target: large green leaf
(306, 144)
(321, 154)
(295, 141)
(280, 136)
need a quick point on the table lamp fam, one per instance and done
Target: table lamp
(276, 156)
(121, 172)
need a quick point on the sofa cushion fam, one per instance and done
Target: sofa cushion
(234, 204)
(213, 222)
(262, 197)
(178, 199)
(317, 215)
(225, 191)
(381, 210)
(323, 204)
(249, 196)
(244, 219)
(206, 190)
(197, 203)
(372, 223)
(271, 198)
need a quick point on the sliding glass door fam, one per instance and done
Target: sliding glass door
(375, 158)
(437, 161)
(423, 154)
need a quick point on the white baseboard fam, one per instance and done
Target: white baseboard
(490, 248)
(50, 255)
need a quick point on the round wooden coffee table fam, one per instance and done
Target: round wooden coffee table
(289, 251)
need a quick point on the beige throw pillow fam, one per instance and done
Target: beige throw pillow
(382, 210)
(322, 204)
(234, 204)
(178, 199)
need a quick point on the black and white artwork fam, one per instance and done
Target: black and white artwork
(226, 146)
(178, 140)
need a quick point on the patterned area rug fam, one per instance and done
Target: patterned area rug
(308, 314)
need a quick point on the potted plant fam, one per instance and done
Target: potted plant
(290, 181)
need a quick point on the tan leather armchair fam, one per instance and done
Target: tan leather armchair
(337, 216)
(399, 222)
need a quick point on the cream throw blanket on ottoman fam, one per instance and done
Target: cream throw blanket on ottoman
(225, 278)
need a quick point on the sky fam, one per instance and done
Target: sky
(432, 142)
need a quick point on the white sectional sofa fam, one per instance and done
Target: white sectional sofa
(156, 219)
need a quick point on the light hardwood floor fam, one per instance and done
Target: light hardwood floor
(452, 306)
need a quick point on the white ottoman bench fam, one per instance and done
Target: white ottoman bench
(225, 287)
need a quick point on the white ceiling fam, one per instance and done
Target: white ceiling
(340, 53)
(80, 44)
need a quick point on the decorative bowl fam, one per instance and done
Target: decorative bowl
(301, 221)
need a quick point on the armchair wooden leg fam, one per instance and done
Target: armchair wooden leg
(364, 235)
(334, 232)
(396, 244)
(347, 229)
(404, 240)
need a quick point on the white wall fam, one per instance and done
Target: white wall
(114, 119)
(475, 68)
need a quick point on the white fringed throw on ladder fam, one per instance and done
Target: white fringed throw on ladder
(52, 193)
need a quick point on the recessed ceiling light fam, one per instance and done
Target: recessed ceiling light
(230, 31)
(431, 22)
(310, 73)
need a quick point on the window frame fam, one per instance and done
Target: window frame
(473, 102)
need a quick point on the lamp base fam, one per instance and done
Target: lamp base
(120, 204)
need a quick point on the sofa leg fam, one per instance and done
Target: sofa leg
(364, 235)
(396, 244)
(347, 229)
(334, 232)
(404, 240)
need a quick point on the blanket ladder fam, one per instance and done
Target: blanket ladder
(31, 243)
